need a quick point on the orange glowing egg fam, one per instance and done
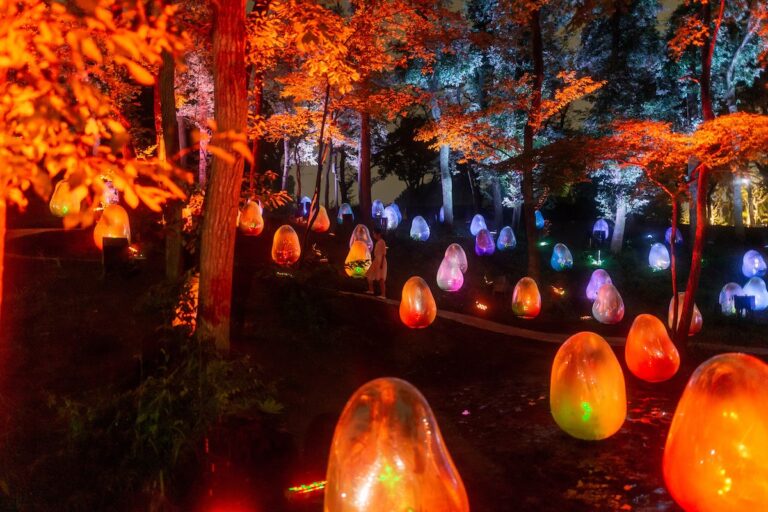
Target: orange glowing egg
(113, 223)
(417, 306)
(649, 352)
(358, 259)
(587, 396)
(65, 200)
(322, 222)
(526, 299)
(251, 222)
(388, 455)
(286, 248)
(716, 456)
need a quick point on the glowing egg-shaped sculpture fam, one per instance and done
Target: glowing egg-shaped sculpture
(753, 264)
(251, 222)
(361, 233)
(417, 306)
(286, 248)
(358, 260)
(456, 253)
(322, 221)
(441, 215)
(658, 257)
(450, 278)
(756, 288)
(649, 352)
(601, 229)
(608, 307)
(392, 218)
(587, 394)
(484, 244)
(377, 209)
(419, 229)
(539, 220)
(678, 236)
(304, 206)
(65, 200)
(344, 209)
(562, 258)
(113, 223)
(716, 455)
(726, 301)
(397, 211)
(388, 455)
(526, 299)
(598, 278)
(478, 223)
(506, 240)
(696, 321)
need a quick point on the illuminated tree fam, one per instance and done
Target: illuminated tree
(57, 119)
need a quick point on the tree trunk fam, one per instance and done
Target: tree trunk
(343, 190)
(364, 168)
(258, 94)
(692, 164)
(173, 241)
(498, 208)
(751, 220)
(217, 246)
(516, 217)
(673, 262)
(446, 184)
(328, 177)
(738, 207)
(2, 256)
(529, 203)
(298, 171)
(286, 162)
(617, 240)
(314, 208)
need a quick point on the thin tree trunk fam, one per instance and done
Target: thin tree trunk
(617, 240)
(738, 207)
(328, 177)
(258, 94)
(446, 184)
(286, 162)
(498, 209)
(298, 171)
(343, 189)
(217, 247)
(529, 203)
(364, 169)
(752, 221)
(170, 124)
(673, 261)
(698, 254)
(315, 205)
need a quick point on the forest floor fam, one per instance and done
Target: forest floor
(68, 331)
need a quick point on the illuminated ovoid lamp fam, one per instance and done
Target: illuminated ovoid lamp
(562, 258)
(526, 299)
(649, 352)
(419, 229)
(392, 218)
(66, 201)
(417, 306)
(484, 244)
(658, 257)
(344, 209)
(361, 233)
(456, 253)
(388, 455)
(113, 223)
(726, 301)
(441, 215)
(450, 278)
(478, 223)
(397, 211)
(716, 455)
(539, 220)
(286, 248)
(304, 205)
(251, 222)
(753, 264)
(608, 308)
(668, 236)
(358, 259)
(322, 222)
(756, 288)
(601, 229)
(587, 395)
(696, 320)
(599, 278)
(506, 240)
(377, 209)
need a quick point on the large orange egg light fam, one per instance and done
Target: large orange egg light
(417, 306)
(587, 396)
(358, 259)
(649, 352)
(251, 222)
(716, 456)
(387, 455)
(286, 248)
(113, 223)
(526, 299)
(322, 222)
(65, 200)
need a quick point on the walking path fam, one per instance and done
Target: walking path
(549, 337)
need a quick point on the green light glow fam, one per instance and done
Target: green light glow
(389, 477)
(587, 411)
(307, 488)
